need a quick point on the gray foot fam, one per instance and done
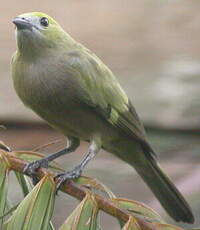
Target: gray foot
(31, 168)
(63, 177)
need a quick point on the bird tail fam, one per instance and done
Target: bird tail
(165, 191)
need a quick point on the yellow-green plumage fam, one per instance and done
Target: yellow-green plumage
(69, 87)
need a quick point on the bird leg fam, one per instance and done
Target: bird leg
(94, 148)
(32, 167)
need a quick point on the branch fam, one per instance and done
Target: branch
(79, 192)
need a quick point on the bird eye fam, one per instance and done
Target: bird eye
(44, 21)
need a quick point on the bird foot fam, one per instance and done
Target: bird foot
(31, 169)
(63, 177)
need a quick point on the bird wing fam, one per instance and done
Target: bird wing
(104, 95)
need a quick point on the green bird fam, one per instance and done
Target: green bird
(76, 93)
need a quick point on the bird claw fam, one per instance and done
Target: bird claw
(31, 168)
(63, 177)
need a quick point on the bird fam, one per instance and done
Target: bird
(69, 87)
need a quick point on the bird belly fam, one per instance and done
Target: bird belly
(70, 117)
(56, 99)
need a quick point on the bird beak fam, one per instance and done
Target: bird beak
(22, 23)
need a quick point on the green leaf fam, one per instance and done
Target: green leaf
(35, 211)
(193, 228)
(26, 185)
(24, 182)
(4, 170)
(160, 226)
(9, 211)
(131, 224)
(84, 217)
(94, 185)
(139, 209)
(51, 227)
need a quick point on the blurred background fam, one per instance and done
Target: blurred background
(153, 48)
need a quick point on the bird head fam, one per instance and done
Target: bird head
(37, 31)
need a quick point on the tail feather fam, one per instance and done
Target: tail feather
(165, 191)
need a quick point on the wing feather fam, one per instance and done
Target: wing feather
(104, 95)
